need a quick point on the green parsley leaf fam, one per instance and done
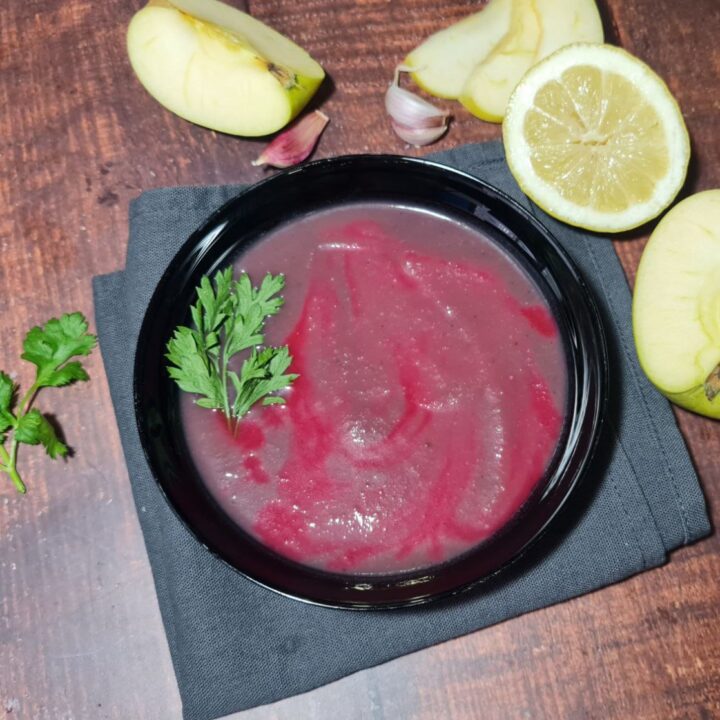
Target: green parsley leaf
(7, 395)
(7, 391)
(229, 318)
(191, 369)
(251, 306)
(33, 428)
(51, 348)
(262, 374)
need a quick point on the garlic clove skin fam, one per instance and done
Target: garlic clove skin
(294, 144)
(418, 136)
(414, 119)
(409, 109)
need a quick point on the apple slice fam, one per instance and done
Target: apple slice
(564, 22)
(538, 29)
(676, 306)
(489, 86)
(218, 67)
(444, 61)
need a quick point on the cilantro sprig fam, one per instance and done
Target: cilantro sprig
(51, 348)
(228, 319)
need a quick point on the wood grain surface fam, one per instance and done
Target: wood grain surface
(80, 632)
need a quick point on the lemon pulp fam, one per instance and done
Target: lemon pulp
(589, 139)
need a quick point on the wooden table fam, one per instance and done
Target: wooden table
(80, 632)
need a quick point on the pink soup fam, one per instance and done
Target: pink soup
(430, 401)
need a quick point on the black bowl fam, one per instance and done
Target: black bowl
(321, 185)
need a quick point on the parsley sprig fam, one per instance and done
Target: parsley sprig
(229, 318)
(51, 348)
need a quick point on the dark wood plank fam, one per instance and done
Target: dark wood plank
(80, 633)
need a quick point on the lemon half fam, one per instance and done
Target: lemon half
(596, 139)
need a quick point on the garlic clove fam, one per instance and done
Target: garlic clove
(418, 136)
(406, 108)
(294, 144)
(413, 118)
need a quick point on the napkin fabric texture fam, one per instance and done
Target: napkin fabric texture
(236, 645)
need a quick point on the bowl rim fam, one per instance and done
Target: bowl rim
(200, 244)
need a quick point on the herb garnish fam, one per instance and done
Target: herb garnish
(50, 348)
(229, 318)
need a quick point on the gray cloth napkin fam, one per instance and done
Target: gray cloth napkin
(236, 645)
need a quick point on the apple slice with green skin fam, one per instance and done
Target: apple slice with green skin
(444, 61)
(564, 22)
(218, 67)
(538, 29)
(676, 305)
(489, 86)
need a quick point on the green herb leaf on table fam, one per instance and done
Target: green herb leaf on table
(51, 348)
(33, 428)
(7, 395)
(228, 319)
